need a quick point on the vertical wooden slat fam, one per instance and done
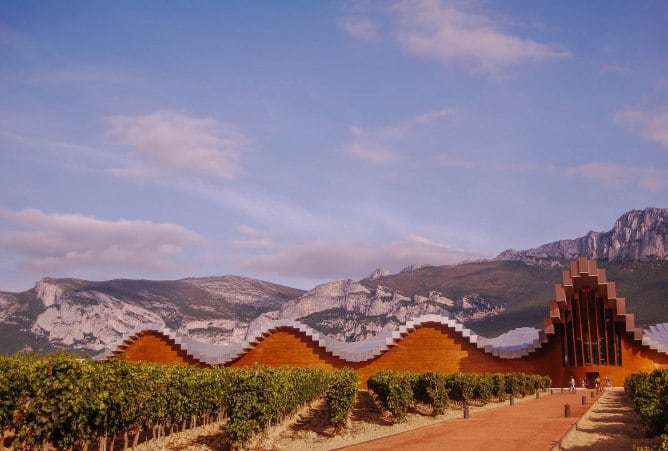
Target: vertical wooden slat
(578, 304)
(590, 354)
(606, 337)
(598, 326)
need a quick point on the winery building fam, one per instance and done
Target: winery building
(587, 334)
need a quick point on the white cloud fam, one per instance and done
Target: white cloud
(448, 160)
(359, 27)
(651, 124)
(343, 259)
(261, 243)
(60, 243)
(618, 176)
(172, 143)
(248, 230)
(366, 148)
(614, 68)
(448, 33)
(458, 32)
(375, 145)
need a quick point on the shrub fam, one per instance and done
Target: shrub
(649, 392)
(341, 395)
(394, 391)
(430, 388)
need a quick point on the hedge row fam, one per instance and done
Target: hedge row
(649, 392)
(397, 391)
(68, 401)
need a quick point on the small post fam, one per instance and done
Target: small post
(562, 389)
(593, 394)
(567, 411)
(466, 411)
(552, 391)
(537, 394)
(512, 400)
(584, 400)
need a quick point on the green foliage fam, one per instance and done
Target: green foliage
(649, 392)
(430, 388)
(69, 401)
(393, 390)
(341, 395)
(461, 387)
(262, 395)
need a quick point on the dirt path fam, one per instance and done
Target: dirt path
(534, 425)
(611, 424)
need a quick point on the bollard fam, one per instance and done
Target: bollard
(552, 391)
(584, 400)
(562, 389)
(592, 394)
(537, 394)
(466, 411)
(567, 411)
(512, 400)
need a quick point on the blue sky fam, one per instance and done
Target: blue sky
(300, 142)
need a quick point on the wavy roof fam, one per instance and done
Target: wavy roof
(513, 344)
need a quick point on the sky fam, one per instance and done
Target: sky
(300, 142)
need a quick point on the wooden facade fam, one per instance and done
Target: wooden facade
(587, 334)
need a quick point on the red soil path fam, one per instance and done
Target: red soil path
(537, 424)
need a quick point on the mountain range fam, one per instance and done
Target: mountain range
(489, 296)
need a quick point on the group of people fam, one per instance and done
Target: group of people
(597, 384)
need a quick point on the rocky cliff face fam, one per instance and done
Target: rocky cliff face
(638, 235)
(349, 311)
(77, 315)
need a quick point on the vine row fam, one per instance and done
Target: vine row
(67, 401)
(396, 391)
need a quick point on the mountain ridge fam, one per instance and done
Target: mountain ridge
(490, 296)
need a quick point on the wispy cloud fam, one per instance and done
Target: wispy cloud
(454, 161)
(462, 33)
(58, 147)
(614, 68)
(449, 33)
(650, 124)
(359, 27)
(607, 175)
(376, 145)
(176, 144)
(343, 259)
(65, 243)
(618, 176)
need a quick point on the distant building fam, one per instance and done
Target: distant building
(588, 334)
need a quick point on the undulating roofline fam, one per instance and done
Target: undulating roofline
(513, 344)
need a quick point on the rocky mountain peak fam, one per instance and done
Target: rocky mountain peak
(378, 273)
(638, 235)
(48, 291)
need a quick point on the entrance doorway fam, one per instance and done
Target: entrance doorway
(591, 378)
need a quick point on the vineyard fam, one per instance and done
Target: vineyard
(69, 402)
(395, 392)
